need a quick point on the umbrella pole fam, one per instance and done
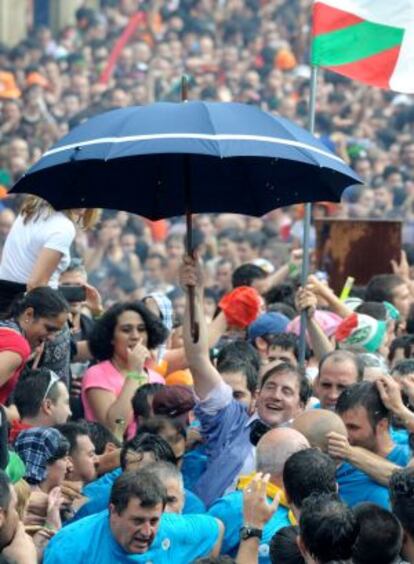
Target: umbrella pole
(189, 222)
(307, 224)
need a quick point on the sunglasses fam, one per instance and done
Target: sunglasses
(54, 378)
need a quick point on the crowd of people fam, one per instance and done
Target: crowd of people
(142, 422)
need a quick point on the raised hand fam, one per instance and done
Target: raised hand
(136, 357)
(390, 393)
(306, 300)
(338, 446)
(257, 510)
(191, 273)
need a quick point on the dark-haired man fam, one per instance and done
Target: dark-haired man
(308, 472)
(328, 529)
(380, 535)
(242, 377)
(390, 288)
(136, 529)
(226, 424)
(367, 421)
(81, 452)
(42, 400)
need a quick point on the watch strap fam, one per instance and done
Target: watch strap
(251, 532)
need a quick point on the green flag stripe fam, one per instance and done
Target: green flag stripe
(354, 43)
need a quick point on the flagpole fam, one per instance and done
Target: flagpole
(307, 220)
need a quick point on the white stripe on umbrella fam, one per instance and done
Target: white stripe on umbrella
(196, 136)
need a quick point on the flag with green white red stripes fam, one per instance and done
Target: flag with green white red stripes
(371, 41)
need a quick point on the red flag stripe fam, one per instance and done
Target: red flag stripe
(327, 19)
(375, 70)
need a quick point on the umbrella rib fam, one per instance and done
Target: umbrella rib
(302, 149)
(213, 129)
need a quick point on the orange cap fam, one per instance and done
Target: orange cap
(179, 378)
(8, 86)
(285, 60)
(37, 78)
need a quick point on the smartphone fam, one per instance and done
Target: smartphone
(73, 293)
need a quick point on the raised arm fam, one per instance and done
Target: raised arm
(321, 345)
(205, 376)
(278, 277)
(377, 467)
(177, 359)
(323, 291)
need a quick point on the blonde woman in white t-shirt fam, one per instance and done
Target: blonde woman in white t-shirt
(37, 249)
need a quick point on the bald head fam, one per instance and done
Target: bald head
(275, 447)
(315, 424)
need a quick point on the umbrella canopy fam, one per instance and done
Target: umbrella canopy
(161, 159)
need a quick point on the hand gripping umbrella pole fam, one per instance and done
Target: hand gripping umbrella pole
(307, 226)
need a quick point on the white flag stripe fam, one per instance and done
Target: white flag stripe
(395, 13)
(195, 136)
(402, 78)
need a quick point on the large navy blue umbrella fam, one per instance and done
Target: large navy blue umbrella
(167, 159)
(156, 160)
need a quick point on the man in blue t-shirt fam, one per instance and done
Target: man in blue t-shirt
(367, 420)
(324, 428)
(136, 529)
(369, 445)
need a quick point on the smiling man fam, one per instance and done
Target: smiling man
(136, 529)
(227, 424)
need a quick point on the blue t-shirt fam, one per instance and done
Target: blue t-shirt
(229, 509)
(180, 540)
(399, 436)
(356, 487)
(194, 464)
(400, 454)
(99, 493)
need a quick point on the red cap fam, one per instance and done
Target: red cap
(241, 306)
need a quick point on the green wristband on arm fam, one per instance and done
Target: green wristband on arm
(137, 377)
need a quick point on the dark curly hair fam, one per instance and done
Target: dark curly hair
(100, 341)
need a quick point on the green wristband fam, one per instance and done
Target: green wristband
(293, 269)
(137, 377)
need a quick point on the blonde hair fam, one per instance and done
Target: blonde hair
(23, 492)
(34, 207)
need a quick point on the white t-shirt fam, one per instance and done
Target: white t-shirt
(26, 240)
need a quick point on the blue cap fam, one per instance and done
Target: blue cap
(267, 323)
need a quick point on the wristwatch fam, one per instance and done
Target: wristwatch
(249, 532)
